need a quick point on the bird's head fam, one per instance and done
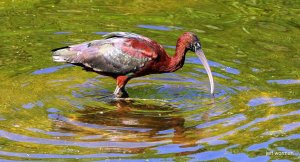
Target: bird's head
(193, 44)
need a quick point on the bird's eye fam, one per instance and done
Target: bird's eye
(196, 46)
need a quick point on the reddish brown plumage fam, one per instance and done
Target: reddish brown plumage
(139, 48)
(161, 62)
(127, 55)
(166, 63)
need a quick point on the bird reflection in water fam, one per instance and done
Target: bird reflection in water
(129, 121)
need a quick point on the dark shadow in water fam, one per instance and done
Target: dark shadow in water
(130, 122)
(127, 114)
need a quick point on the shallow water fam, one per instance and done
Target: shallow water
(53, 111)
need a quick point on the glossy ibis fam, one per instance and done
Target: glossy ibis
(124, 56)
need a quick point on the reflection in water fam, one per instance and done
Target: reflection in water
(128, 122)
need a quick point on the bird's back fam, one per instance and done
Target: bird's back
(120, 53)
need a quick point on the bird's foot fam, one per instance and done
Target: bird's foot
(122, 95)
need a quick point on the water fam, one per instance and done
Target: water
(51, 111)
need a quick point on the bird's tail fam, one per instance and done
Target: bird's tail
(62, 54)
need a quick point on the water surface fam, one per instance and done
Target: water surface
(52, 111)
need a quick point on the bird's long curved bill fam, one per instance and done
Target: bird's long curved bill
(203, 59)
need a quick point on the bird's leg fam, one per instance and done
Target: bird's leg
(117, 90)
(120, 91)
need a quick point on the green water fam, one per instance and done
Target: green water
(49, 111)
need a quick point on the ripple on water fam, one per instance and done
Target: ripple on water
(129, 124)
(175, 148)
(101, 33)
(104, 144)
(31, 105)
(285, 81)
(215, 74)
(271, 141)
(228, 69)
(50, 133)
(156, 27)
(273, 101)
(51, 69)
(134, 125)
(215, 155)
(91, 137)
(56, 156)
(62, 32)
(138, 125)
(226, 121)
(291, 126)
(216, 139)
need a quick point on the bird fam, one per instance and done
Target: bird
(124, 56)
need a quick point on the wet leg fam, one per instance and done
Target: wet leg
(120, 91)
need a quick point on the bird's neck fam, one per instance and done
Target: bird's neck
(177, 61)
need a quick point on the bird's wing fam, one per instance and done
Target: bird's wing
(151, 48)
(117, 55)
